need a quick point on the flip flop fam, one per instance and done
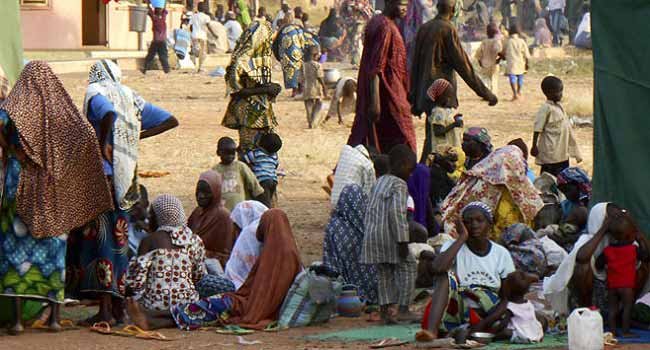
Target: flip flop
(387, 343)
(102, 327)
(236, 330)
(137, 332)
(66, 325)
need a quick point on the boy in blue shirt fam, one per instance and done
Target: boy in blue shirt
(264, 161)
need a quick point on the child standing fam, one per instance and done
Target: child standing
(487, 56)
(198, 23)
(620, 259)
(553, 139)
(264, 161)
(159, 43)
(444, 125)
(517, 56)
(239, 182)
(314, 86)
(386, 239)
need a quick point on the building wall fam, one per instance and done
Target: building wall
(56, 27)
(60, 26)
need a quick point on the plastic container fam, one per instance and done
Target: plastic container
(349, 303)
(159, 4)
(138, 18)
(585, 330)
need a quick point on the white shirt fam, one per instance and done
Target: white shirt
(234, 30)
(199, 21)
(354, 167)
(487, 271)
(523, 323)
(556, 5)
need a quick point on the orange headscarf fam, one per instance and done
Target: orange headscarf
(213, 223)
(257, 302)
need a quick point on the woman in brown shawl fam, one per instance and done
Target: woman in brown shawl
(53, 183)
(211, 220)
(257, 303)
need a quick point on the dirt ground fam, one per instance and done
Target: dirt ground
(199, 102)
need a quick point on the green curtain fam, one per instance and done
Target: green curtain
(11, 47)
(622, 105)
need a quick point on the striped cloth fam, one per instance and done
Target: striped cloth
(385, 221)
(264, 165)
(396, 283)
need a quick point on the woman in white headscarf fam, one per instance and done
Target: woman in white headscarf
(577, 272)
(246, 217)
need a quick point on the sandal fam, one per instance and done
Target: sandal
(137, 332)
(387, 343)
(102, 327)
(232, 329)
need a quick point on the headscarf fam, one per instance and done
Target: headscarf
(171, 219)
(213, 224)
(481, 136)
(5, 87)
(62, 186)
(527, 255)
(480, 206)
(246, 216)
(504, 169)
(105, 79)
(343, 240)
(257, 302)
(419, 185)
(329, 27)
(579, 177)
(436, 89)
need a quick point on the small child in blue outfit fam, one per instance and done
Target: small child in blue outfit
(264, 161)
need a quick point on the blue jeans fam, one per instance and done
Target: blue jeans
(556, 19)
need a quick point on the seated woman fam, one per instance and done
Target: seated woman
(211, 220)
(576, 275)
(257, 303)
(471, 268)
(576, 186)
(246, 217)
(343, 240)
(476, 146)
(500, 182)
(543, 35)
(171, 251)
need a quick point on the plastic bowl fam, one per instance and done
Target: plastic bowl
(482, 337)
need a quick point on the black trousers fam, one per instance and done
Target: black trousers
(555, 168)
(160, 48)
(269, 187)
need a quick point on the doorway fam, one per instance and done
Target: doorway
(93, 23)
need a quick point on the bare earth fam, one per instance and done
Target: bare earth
(199, 102)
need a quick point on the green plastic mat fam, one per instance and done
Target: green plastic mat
(407, 333)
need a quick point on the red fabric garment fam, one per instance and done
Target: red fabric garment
(621, 266)
(384, 54)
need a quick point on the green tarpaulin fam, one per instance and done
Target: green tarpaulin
(11, 45)
(621, 47)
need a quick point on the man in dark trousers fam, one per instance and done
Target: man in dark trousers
(159, 43)
(438, 53)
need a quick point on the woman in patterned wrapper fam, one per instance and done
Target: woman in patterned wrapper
(170, 261)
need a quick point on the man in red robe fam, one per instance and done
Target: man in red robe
(383, 116)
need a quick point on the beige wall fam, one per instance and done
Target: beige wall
(58, 27)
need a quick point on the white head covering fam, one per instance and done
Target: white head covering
(247, 248)
(171, 218)
(597, 217)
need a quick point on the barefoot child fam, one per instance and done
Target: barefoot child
(516, 315)
(620, 259)
(488, 55)
(553, 139)
(315, 89)
(387, 237)
(444, 125)
(264, 162)
(239, 182)
(344, 100)
(517, 56)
